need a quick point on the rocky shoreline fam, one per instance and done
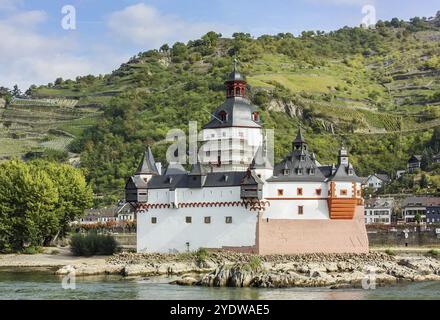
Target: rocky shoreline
(220, 269)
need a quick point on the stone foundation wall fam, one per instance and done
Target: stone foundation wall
(397, 239)
(317, 236)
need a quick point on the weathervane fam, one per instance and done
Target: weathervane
(235, 62)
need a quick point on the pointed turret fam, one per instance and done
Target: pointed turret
(299, 143)
(147, 165)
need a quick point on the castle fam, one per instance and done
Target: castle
(235, 199)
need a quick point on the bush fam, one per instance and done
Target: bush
(93, 244)
(390, 252)
(201, 255)
(32, 250)
(254, 264)
(434, 253)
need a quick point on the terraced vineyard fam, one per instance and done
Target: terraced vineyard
(38, 124)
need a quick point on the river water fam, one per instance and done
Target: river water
(32, 284)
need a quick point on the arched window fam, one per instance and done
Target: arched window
(223, 116)
(256, 116)
(238, 91)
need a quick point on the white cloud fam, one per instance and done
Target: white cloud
(9, 5)
(28, 56)
(143, 25)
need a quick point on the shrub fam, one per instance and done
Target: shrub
(434, 253)
(390, 252)
(93, 244)
(254, 264)
(201, 255)
(32, 250)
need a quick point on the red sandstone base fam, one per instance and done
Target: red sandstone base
(313, 236)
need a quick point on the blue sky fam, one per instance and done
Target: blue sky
(35, 49)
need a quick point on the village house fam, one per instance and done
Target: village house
(414, 163)
(419, 206)
(379, 211)
(240, 201)
(376, 181)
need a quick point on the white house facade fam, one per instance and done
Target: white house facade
(379, 211)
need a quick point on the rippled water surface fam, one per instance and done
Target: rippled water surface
(34, 284)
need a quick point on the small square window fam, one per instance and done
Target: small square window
(188, 219)
(207, 220)
(300, 210)
(154, 220)
(344, 192)
(228, 220)
(299, 191)
(280, 192)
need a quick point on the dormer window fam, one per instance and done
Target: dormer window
(286, 172)
(223, 116)
(312, 172)
(350, 172)
(256, 116)
(302, 158)
(299, 171)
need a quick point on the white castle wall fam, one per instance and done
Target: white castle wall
(346, 186)
(171, 233)
(286, 206)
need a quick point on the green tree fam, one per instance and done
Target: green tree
(434, 143)
(38, 201)
(28, 213)
(16, 92)
(424, 181)
(179, 52)
(74, 194)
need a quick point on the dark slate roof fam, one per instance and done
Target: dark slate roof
(326, 171)
(137, 182)
(147, 165)
(104, 212)
(198, 170)
(421, 202)
(415, 158)
(235, 76)
(377, 203)
(343, 176)
(175, 169)
(299, 138)
(239, 112)
(298, 159)
(383, 177)
(213, 180)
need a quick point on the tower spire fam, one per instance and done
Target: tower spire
(236, 84)
(147, 165)
(300, 143)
